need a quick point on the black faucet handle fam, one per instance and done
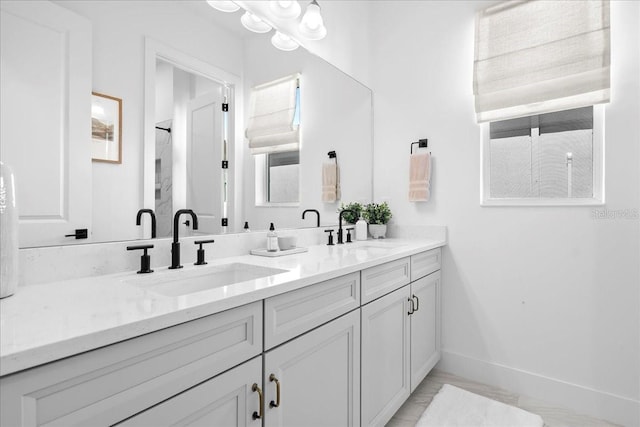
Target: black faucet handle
(201, 260)
(145, 259)
(330, 236)
(349, 234)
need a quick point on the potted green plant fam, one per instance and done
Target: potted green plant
(353, 206)
(377, 215)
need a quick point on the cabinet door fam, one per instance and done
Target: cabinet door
(45, 81)
(319, 377)
(226, 400)
(425, 327)
(385, 357)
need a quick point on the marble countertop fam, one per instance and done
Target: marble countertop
(46, 322)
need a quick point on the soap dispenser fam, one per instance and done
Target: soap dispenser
(361, 229)
(272, 239)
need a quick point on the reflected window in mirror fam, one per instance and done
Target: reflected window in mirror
(283, 177)
(277, 154)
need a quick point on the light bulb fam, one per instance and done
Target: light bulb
(252, 23)
(223, 5)
(312, 26)
(285, 9)
(283, 42)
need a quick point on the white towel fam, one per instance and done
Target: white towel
(330, 181)
(420, 177)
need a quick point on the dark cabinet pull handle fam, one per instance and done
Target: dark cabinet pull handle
(81, 233)
(417, 302)
(258, 415)
(411, 308)
(275, 404)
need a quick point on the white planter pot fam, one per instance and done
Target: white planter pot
(378, 231)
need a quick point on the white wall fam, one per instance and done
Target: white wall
(544, 301)
(348, 41)
(119, 31)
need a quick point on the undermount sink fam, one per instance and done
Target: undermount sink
(183, 282)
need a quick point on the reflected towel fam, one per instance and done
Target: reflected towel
(420, 177)
(330, 181)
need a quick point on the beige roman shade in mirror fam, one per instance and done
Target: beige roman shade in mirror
(539, 56)
(272, 108)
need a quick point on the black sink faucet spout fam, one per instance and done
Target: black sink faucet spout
(153, 220)
(175, 246)
(314, 211)
(342, 212)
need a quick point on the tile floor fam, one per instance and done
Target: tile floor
(410, 412)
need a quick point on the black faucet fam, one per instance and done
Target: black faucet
(316, 212)
(354, 213)
(175, 246)
(153, 220)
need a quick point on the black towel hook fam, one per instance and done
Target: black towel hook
(333, 155)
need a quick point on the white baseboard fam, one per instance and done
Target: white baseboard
(583, 400)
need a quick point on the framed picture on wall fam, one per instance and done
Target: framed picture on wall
(106, 128)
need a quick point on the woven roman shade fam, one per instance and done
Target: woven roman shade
(540, 56)
(271, 127)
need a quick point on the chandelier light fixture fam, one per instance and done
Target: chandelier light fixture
(285, 9)
(252, 23)
(312, 25)
(224, 5)
(283, 42)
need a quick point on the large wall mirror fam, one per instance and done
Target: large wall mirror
(199, 59)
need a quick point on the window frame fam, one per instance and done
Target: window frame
(598, 198)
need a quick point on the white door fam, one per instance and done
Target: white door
(45, 81)
(425, 327)
(385, 356)
(204, 161)
(229, 400)
(319, 377)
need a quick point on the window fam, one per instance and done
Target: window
(544, 159)
(283, 177)
(278, 173)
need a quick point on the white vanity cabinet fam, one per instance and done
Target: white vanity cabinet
(318, 375)
(400, 333)
(110, 384)
(346, 351)
(385, 356)
(318, 371)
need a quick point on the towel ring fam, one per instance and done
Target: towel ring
(422, 143)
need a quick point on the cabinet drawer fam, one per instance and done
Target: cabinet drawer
(293, 313)
(425, 263)
(226, 400)
(105, 386)
(382, 279)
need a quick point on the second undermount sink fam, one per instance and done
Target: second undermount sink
(183, 282)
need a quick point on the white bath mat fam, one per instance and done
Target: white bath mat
(453, 406)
